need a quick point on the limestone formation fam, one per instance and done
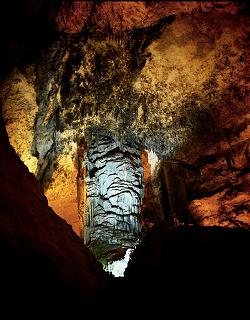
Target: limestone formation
(115, 192)
(44, 263)
(168, 78)
(18, 99)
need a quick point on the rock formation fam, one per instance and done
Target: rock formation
(115, 192)
(167, 77)
(44, 264)
(197, 268)
(131, 121)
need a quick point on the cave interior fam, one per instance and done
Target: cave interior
(125, 156)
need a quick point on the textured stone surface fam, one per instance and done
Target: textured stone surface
(210, 260)
(74, 94)
(20, 112)
(209, 184)
(217, 179)
(178, 86)
(190, 79)
(18, 99)
(230, 207)
(115, 192)
(62, 191)
(115, 17)
(43, 262)
(205, 96)
(151, 209)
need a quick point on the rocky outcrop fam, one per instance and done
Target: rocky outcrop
(186, 202)
(18, 99)
(220, 192)
(44, 264)
(152, 205)
(115, 17)
(177, 84)
(159, 78)
(74, 94)
(114, 194)
(30, 100)
(208, 123)
(213, 261)
(209, 184)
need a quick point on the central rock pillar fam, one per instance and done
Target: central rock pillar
(114, 195)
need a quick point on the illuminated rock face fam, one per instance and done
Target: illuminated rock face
(223, 185)
(117, 16)
(114, 191)
(42, 258)
(212, 180)
(18, 99)
(179, 84)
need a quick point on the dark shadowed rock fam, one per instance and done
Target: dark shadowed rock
(196, 268)
(44, 264)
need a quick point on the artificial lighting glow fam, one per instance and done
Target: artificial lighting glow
(117, 268)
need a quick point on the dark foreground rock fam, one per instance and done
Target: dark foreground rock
(189, 270)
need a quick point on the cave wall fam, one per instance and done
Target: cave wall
(44, 264)
(214, 159)
(172, 78)
(213, 261)
(19, 111)
(206, 102)
(115, 17)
